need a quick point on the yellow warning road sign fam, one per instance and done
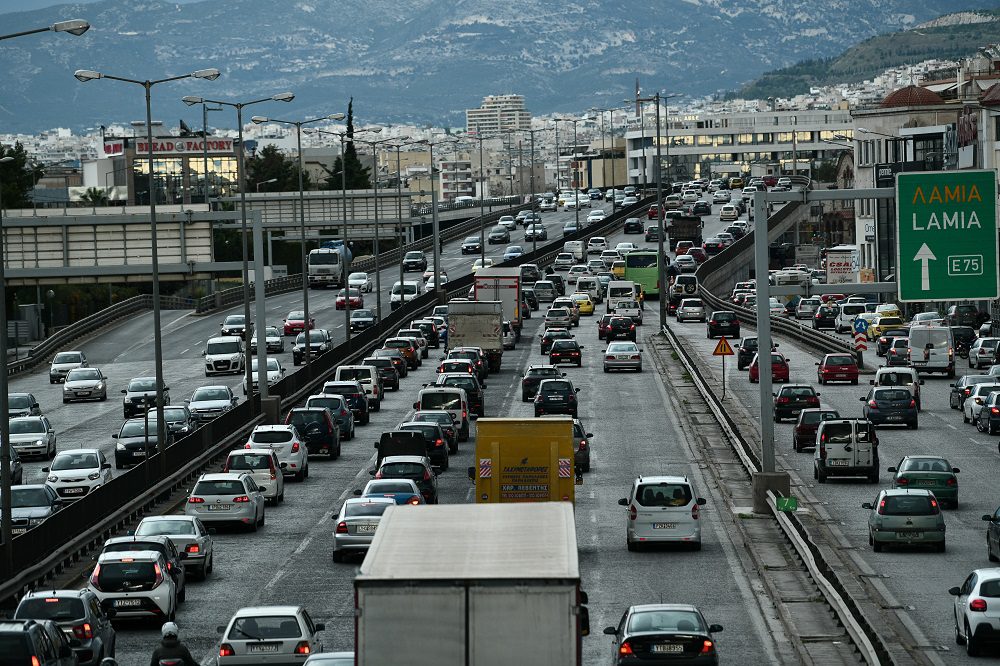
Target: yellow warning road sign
(723, 348)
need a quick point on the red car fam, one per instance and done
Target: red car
(682, 247)
(779, 369)
(652, 212)
(699, 254)
(832, 298)
(357, 300)
(295, 322)
(837, 368)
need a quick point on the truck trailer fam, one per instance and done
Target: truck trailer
(477, 324)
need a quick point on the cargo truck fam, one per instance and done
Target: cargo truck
(477, 324)
(481, 585)
(683, 228)
(525, 460)
(504, 285)
(327, 266)
(842, 264)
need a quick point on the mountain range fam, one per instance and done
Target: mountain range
(418, 61)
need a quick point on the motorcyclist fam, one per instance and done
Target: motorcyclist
(171, 651)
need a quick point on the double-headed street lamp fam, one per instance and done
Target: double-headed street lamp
(257, 120)
(241, 177)
(575, 169)
(434, 211)
(73, 26)
(85, 75)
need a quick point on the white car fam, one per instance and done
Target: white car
(575, 272)
(274, 373)
(686, 263)
(581, 201)
(273, 338)
(721, 196)
(624, 248)
(563, 261)
(136, 584)
(729, 213)
(691, 308)
(286, 442)
(508, 222)
(76, 473)
(662, 509)
(288, 633)
(360, 281)
(597, 244)
(476, 266)
(609, 257)
(975, 605)
(263, 466)
(690, 196)
(596, 216)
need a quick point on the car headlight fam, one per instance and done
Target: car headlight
(52, 478)
(119, 447)
(99, 385)
(39, 442)
(234, 357)
(93, 476)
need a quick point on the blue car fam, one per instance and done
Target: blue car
(401, 491)
(512, 252)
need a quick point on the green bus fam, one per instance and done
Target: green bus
(642, 267)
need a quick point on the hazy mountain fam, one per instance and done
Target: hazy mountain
(420, 60)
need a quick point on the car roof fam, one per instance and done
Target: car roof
(272, 428)
(899, 492)
(222, 476)
(263, 611)
(56, 593)
(420, 460)
(132, 554)
(661, 479)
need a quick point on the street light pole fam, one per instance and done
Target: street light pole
(302, 213)
(84, 76)
(5, 473)
(435, 225)
(482, 204)
(74, 27)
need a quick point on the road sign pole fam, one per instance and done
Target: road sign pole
(723, 379)
(723, 349)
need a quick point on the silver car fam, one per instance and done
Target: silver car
(558, 318)
(907, 516)
(85, 384)
(189, 535)
(623, 356)
(227, 497)
(209, 402)
(269, 635)
(273, 338)
(356, 524)
(691, 308)
(33, 436)
(63, 362)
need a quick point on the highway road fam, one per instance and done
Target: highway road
(288, 561)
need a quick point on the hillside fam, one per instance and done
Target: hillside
(944, 39)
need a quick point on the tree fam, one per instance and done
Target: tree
(356, 176)
(94, 196)
(17, 178)
(271, 163)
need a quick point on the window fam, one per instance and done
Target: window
(667, 620)
(265, 628)
(663, 494)
(271, 436)
(907, 505)
(50, 608)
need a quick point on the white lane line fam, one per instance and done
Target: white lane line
(951, 426)
(185, 351)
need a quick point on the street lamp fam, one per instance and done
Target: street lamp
(257, 120)
(434, 211)
(5, 519)
(74, 27)
(576, 185)
(241, 178)
(84, 75)
(266, 182)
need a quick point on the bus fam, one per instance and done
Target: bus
(642, 268)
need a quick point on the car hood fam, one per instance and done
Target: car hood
(31, 512)
(140, 394)
(208, 404)
(139, 440)
(65, 366)
(27, 437)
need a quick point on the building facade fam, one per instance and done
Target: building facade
(498, 113)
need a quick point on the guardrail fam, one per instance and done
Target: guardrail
(417, 210)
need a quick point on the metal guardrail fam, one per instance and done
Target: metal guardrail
(418, 210)
(228, 297)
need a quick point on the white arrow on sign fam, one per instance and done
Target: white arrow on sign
(924, 255)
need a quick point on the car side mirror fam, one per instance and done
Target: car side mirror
(988, 517)
(187, 402)
(623, 501)
(891, 469)
(114, 435)
(921, 382)
(866, 505)
(576, 390)
(861, 399)
(954, 591)
(371, 472)
(611, 631)
(817, 362)
(563, 374)
(124, 391)
(955, 470)
(872, 382)
(702, 501)
(106, 465)
(590, 434)
(204, 353)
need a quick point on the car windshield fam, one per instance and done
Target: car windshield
(797, 391)
(219, 487)
(83, 374)
(907, 505)
(137, 428)
(840, 360)
(305, 417)
(296, 315)
(19, 402)
(551, 387)
(206, 394)
(26, 426)
(409, 289)
(547, 371)
(165, 527)
(894, 379)
(235, 320)
(265, 627)
(314, 336)
(342, 388)
(334, 404)
(144, 384)
(402, 470)
(75, 460)
(446, 401)
(558, 345)
(665, 621)
(723, 316)
(245, 462)
(387, 487)
(891, 394)
(471, 239)
(414, 255)
(48, 608)
(925, 465)
(271, 436)
(365, 509)
(272, 364)
(663, 494)
(354, 293)
(359, 277)
(622, 347)
(219, 348)
(814, 417)
(68, 357)
(23, 498)
(362, 314)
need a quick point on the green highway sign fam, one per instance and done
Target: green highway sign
(786, 503)
(946, 235)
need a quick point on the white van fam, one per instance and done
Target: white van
(410, 289)
(895, 376)
(846, 447)
(370, 381)
(620, 291)
(932, 349)
(576, 248)
(451, 399)
(590, 286)
(845, 318)
(224, 356)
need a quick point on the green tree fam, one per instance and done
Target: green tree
(17, 178)
(271, 163)
(356, 175)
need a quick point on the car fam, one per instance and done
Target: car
(633, 225)
(135, 584)
(571, 305)
(508, 222)
(318, 340)
(359, 517)
(792, 399)
(686, 263)
(905, 516)
(595, 194)
(31, 505)
(597, 244)
(415, 260)
(619, 328)
(584, 302)
(976, 626)
(932, 473)
(209, 402)
(512, 252)
(532, 378)
(189, 536)
(368, 377)
(474, 354)
(274, 374)
(354, 395)
(993, 535)
(806, 308)
(550, 335)
(530, 218)
(721, 196)
(361, 319)
(652, 233)
(224, 355)
(880, 325)
(961, 389)
(974, 405)
(227, 497)
(779, 368)
(631, 309)
(713, 245)
(575, 272)
(825, 317)
(890, 406)
(63, 362)
(273, 341)
(462, 365)
(548, 204)
(437, 444)
(624, 248)
(408, 348)
(78, 472)
(430, 330)
(16, 468)
(360, 281)
(662, 509)
(982, 352)
(578, 201)
(667, 628)
(728, 213)
(340, 412)
(135, 441)
(472, 386)
(535, 232)
(557, 317)
(963, 315)
(723, 322)
(903, 377)
(85, 384)
(837, 367)
(295, 322)
(897, 353)
(566, 351)
(804, 432)
(352, 298)
(22, 404)
(472, 244)
(623, 356)
(595, 216)
(595, 266)
(556, 396)
(445, 421)
(563, 261)
(416, 468)
(318, 429)
(682, 247)
(691, 308)
(701, 207)
(290, 629)
(386, 369)
(234, 324)
(33, 436)
(628, 201)
(76, 614)
(287, 443)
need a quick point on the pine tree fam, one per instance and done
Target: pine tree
(270, 163)
(356, 176)
(17, 178)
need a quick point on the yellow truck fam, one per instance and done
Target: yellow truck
(524, 460)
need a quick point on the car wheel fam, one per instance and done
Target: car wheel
(338, 556)
(365, 418)
(335, 452)
(959, 638)
(941, 547)
(820, 476)
(971, 644)
(281, 496)
(182, 595)
(300, 476)
(876, 546)
(632, 547)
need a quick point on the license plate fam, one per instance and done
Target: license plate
(664, 526)
(667, 647)
(926, 482)
(795, 412)
(18, 530)
(366, 529)
(622, 357)
(837, 463)
(555, 399)
(894, 418)
(73, 491)
(263, 647)
(219, 507)
(139, 454)
(120, 603)
(909, 536)
(83, 392)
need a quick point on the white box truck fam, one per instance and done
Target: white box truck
(496, 584)
(504, 285)
(477, 324)
(842, 264)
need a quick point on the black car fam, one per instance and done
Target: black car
(964, 315)
(633, 225)
(471, 245)
(701, 207)
(498, 235)
(566, 351)
(551, 335)
(135, 442)
(530, 298)
(16, 468)
(745, 352)
(825, 317)
(386, 370)
(415, 260)
(530, 274)
(362, 319)
(652, 233)
(644, 630)
(724, 322)
(434, 439)
(339, 410)
(443, 419)
(317, 427)
(140, 395)
(473, 389)
(964, 337)
(556, 396)
(792, 399)
(397, 358)
(319, 343)
(533, 376)
(713, 246)
(558, 282)
(620, 328)
(735, 231)
(429, 329)
(355, 396)
(885, 339)
(79, 614)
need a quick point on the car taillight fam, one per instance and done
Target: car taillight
(192, 548)
(242, 499)
(783, 400)
(632, 327)
(427, 475)
(95, 576)
(695, 511)
(711, 322)
(342, 527)
(902, 481)
(226, 650)
(872, 404)
(159, 575)
(414, 500)
(913, 404)
(625, 648)
(707, 647)
(978, 605)
(302, 648)
(583, 444)
(812, 400)
(295, 447)
(83, 631)
(881, 507)
(967, 392)
(572, 398)
(632, 513)
(883, 340)
(196, 500)
(343, 412)
(934, 506)
(438, 442)
(950, 482)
